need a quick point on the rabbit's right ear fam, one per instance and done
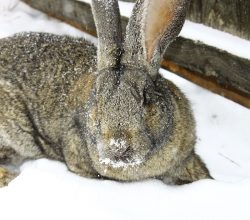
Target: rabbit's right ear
(108, 24)
(154, 24)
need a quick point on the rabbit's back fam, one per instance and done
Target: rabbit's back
(46, 67)
(37, 60)
(47, 79)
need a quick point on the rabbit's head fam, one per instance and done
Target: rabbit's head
(130, 113)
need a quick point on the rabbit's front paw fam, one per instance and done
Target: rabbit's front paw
(6, 176)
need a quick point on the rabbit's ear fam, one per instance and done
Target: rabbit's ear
(108, 24)
(154, 24)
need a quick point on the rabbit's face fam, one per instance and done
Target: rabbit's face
(127, 122)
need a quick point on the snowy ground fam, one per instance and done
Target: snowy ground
(46, 190)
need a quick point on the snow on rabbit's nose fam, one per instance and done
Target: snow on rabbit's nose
(119, 147)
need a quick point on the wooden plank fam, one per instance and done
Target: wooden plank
(76, 13)
(232, 16)
(229, 71)
(207, 83)
(209, 67)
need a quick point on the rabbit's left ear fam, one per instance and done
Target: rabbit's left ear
(153, 26)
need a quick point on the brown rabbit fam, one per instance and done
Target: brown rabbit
(109, 115)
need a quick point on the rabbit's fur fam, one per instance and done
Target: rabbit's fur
(105, 113)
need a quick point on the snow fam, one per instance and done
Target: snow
(119, 145)
(120, 164)
(47, 190)
(125, 7)
(7, 5)
(23, 18)
(215, 38)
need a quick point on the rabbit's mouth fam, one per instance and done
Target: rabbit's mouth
(119, 155)
(121, 163)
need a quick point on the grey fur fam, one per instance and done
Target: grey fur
(109, 31)
(113, 120)
(134, 46)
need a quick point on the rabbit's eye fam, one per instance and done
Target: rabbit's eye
(146, 98)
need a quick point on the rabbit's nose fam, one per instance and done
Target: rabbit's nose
(120, 148)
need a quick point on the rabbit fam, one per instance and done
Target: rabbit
(105, 112)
